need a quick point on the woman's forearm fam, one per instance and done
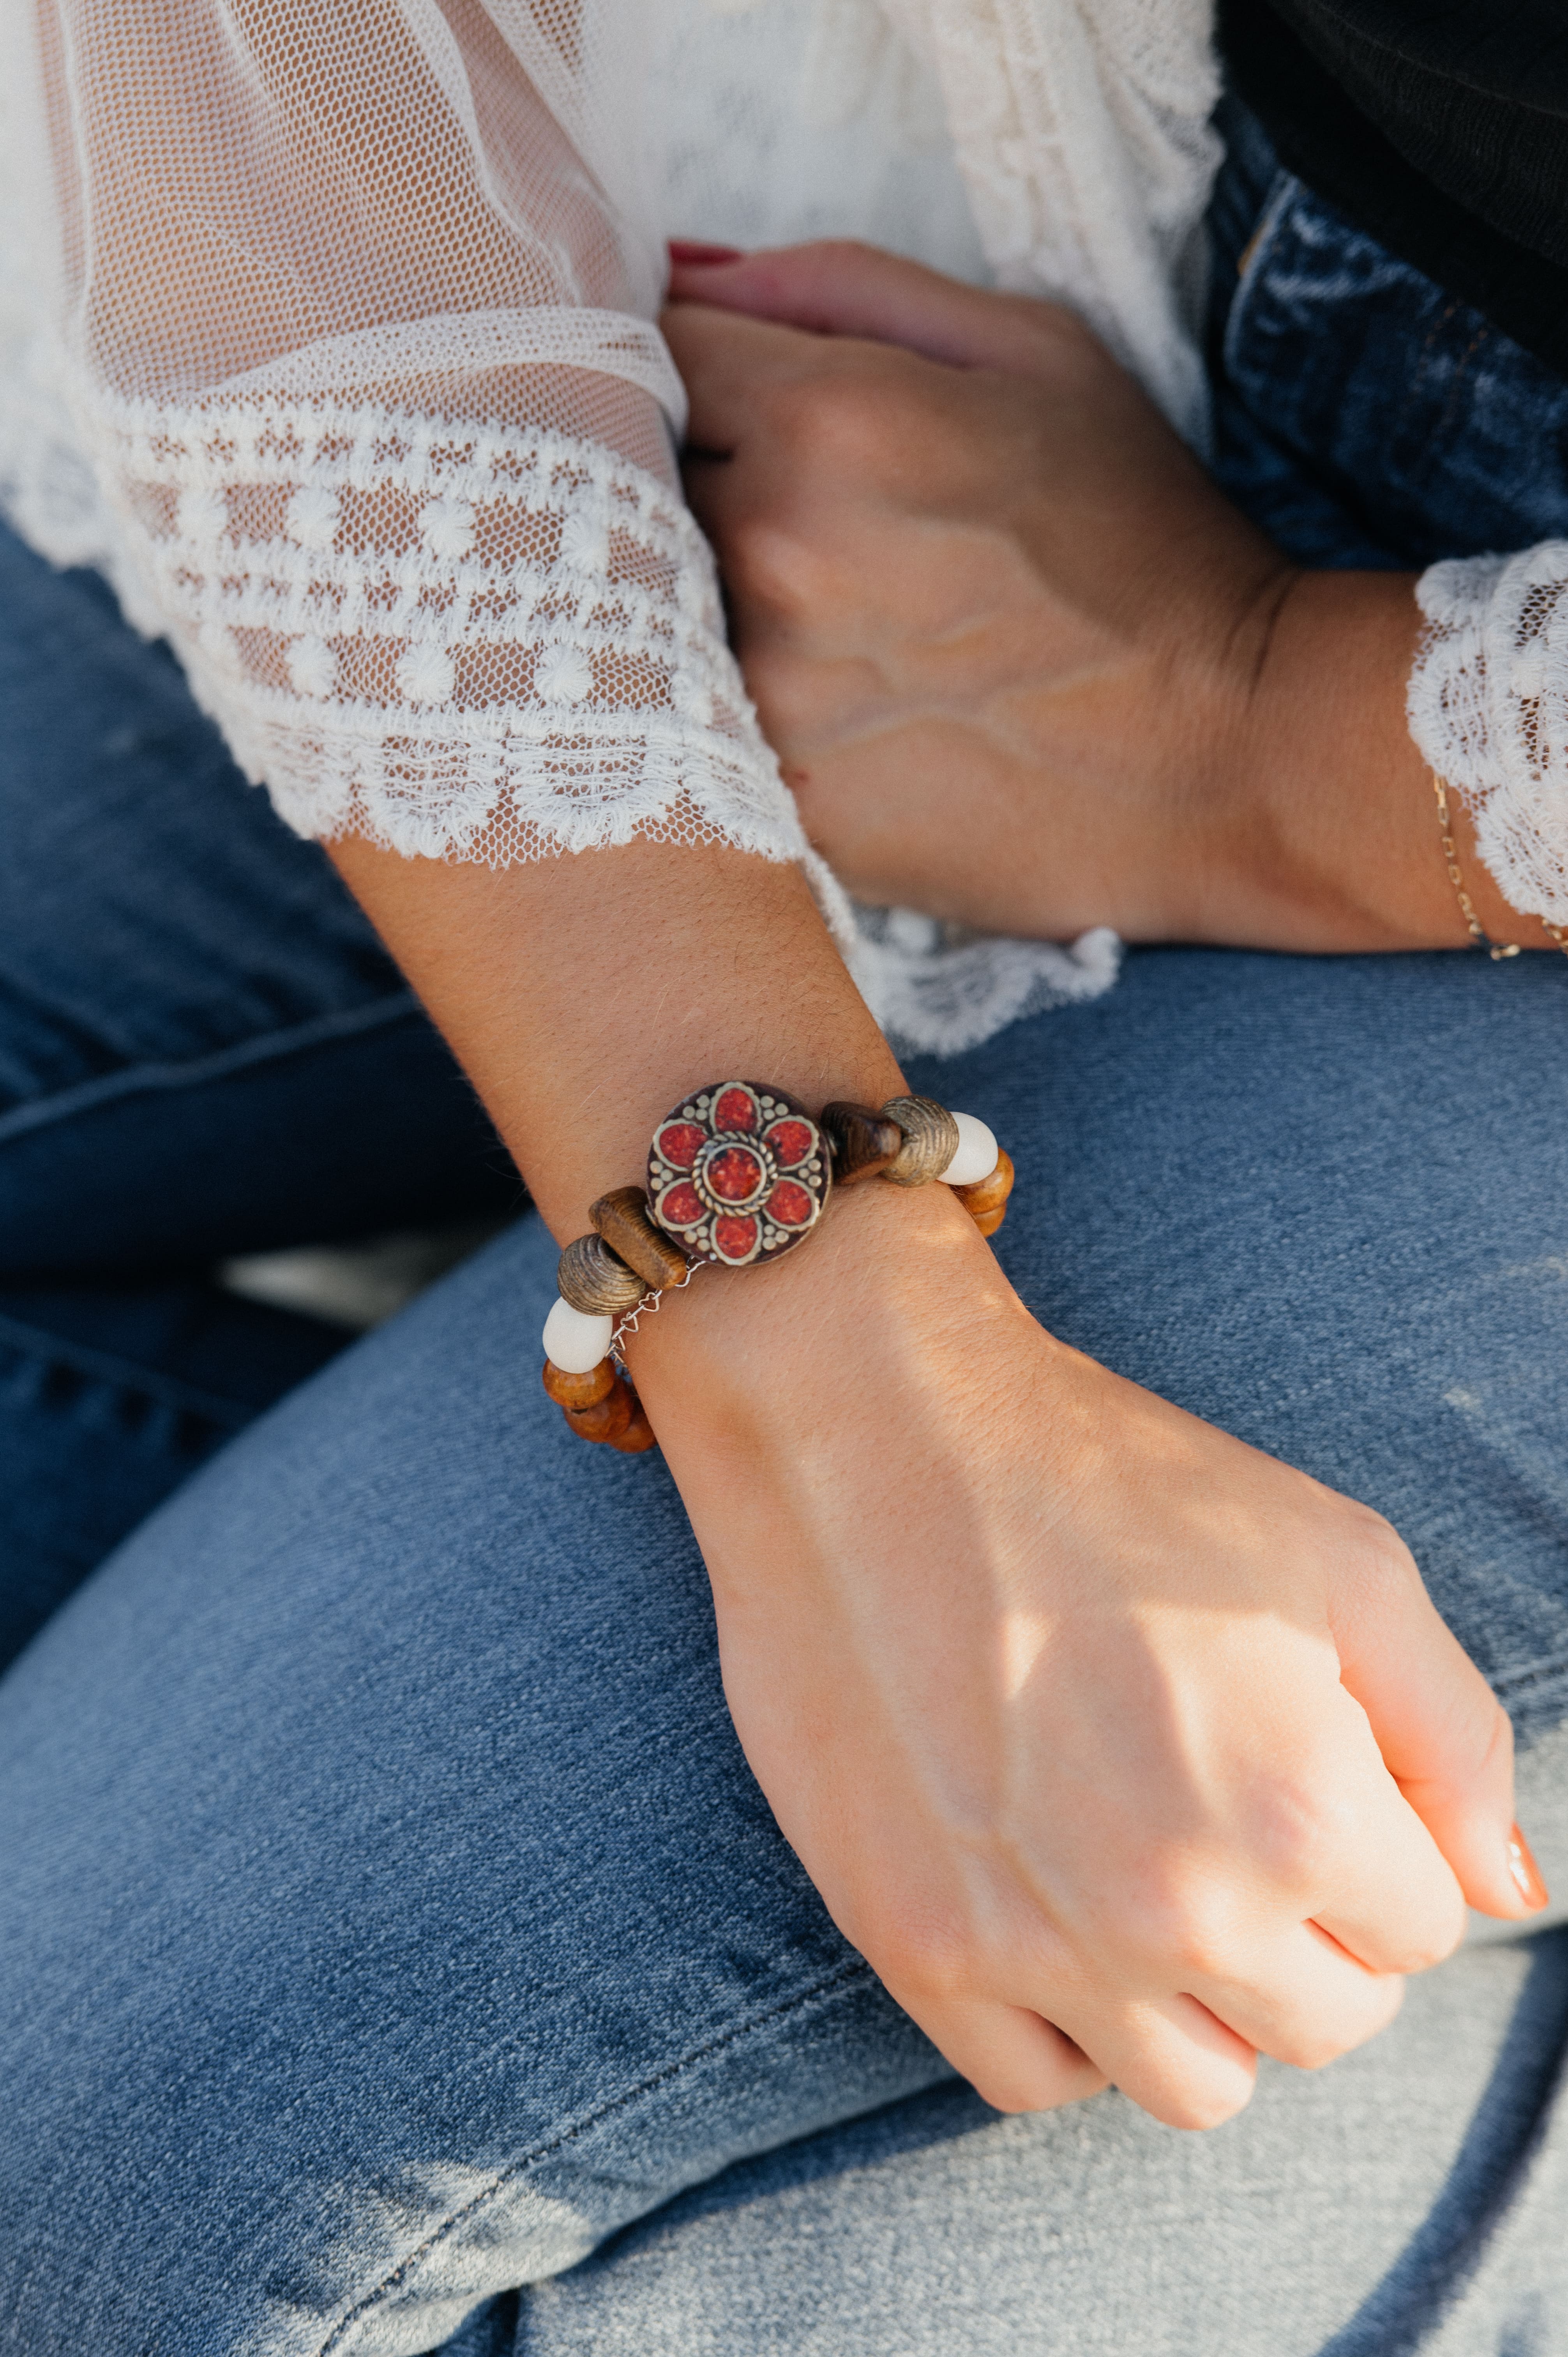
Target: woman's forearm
(584, 994)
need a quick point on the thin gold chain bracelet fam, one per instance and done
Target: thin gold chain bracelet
(1479, 935)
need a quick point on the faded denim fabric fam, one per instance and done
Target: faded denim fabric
(204, 1050)
(394, 1950)
(1363, 416)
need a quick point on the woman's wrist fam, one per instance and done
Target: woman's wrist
(1333, 840)
(583, 995)
(882, 1335)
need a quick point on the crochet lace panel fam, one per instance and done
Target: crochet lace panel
(479, 641)
(1489, 709)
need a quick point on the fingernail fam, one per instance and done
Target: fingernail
(1526, 1874)
(689, 253)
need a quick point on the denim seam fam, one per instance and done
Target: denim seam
(846, 1972)
(37, 1342)
(1450, 407)
(145, 1078)
(1264, 236)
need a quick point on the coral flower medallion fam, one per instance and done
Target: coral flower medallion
(738, 1173)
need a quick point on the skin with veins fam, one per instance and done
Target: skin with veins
(1025, 665)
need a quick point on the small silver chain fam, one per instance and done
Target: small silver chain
(651, 1301)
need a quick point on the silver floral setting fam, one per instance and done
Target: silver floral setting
(738, 1173)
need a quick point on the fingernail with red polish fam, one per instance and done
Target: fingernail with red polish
(689, 253)
(1525, 1873)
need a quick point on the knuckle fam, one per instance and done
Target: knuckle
(1383, 1559)
(1300, 1834)
(1202, 1946)
(927, 1962)
(1307, 2049)
(767, 564)
(834, 417)
(1063, 337)
(1432, 1946)
(1201, 2104)
(1187, 1918)
(1004, 2093)
(1310, 2046)
(841, 254)
(1482, 1735)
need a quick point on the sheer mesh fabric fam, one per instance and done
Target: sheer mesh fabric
(357, 305)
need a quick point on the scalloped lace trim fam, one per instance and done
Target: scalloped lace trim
(1489, 709)
(495, 643)
(457, 639)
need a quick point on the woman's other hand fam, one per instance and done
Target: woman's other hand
(1024, 663)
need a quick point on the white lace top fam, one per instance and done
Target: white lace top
(328, 335)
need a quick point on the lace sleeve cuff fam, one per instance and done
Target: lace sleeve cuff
(483, 642)
(1489, 709)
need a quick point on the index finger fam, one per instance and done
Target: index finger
(727, 361)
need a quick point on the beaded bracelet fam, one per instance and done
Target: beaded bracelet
(737, 1174)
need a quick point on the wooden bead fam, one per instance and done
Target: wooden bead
(579, 1391)
(597, 1280)
(930, 1140)
(989, 1222)
(606, 1419)
(638, 1434)
(862, 1143)
(987, 1198)
(626, 1224)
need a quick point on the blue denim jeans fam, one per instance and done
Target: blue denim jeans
(1363, 417)
(395, 1952)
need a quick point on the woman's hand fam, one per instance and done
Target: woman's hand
(1080, 1715)
(1025, 665)
(1121, 1751)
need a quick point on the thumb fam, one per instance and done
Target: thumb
(1444, 1738)
(837, 287)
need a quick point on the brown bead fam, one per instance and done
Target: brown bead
(930, 1140)
(626, 1224)
(607, 1419)
(579, 1391)
(989, 1222)
(597, 1281)
(638, 1434)
(862, 1143)
(989, 1195)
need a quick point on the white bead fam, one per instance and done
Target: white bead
(976, 1155)
(574, 1342)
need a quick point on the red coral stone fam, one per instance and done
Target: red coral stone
(680, 1206)
(735, 1108)
(792, 1205)
(736, 1175)
(680, 1143)
(736, 1239)
(792, 1141)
